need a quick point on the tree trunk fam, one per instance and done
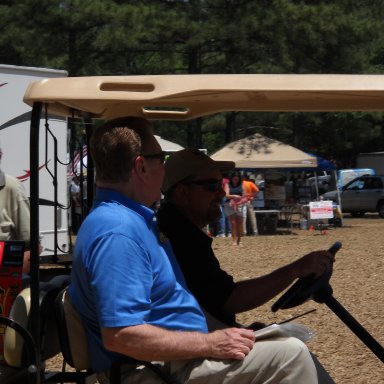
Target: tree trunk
(194, 137)
(230, 127)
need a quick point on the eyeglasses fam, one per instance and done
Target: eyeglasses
(160, 155)
(211, 185)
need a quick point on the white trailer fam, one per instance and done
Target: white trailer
(15, 118)
(373, 160)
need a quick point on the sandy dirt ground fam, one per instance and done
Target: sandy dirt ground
(357, 283)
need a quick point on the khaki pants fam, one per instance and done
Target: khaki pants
(252, 218)
(283, 360)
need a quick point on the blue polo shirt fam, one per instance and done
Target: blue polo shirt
(122, 275)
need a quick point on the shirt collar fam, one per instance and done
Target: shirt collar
(110, 194)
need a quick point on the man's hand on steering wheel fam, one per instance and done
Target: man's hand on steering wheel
(314, 263)
(313, 284)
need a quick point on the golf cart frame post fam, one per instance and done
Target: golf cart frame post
(183, 97)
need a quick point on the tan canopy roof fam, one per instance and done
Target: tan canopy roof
(181, 97)
(258, 151)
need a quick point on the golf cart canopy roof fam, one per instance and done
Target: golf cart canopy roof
(183, 97)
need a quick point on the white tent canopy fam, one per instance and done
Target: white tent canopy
(258, 151)
(167, 145)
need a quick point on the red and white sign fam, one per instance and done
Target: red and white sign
(321, 209)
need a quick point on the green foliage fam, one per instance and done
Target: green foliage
(110, 37)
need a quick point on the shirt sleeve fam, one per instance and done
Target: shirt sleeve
(22, 216)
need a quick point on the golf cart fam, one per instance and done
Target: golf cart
(173, 97)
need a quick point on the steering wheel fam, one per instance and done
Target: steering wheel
(307, 288)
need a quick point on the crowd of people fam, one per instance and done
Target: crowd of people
(237, 209)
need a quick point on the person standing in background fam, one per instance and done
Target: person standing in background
(74, 191)
(224, 223)
(14, 213)
(235, 206)
(250, 190)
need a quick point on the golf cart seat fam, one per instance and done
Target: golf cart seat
(19, 347)
(74, 346)
(72, 337)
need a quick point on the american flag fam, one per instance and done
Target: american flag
(78, 156)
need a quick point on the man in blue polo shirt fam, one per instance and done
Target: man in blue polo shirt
(131, 294)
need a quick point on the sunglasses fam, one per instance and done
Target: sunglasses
(160, 155)
(211, 185)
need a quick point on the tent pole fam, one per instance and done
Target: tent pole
(316, 186)
(339, 197)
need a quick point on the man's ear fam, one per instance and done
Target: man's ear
(139, 167)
